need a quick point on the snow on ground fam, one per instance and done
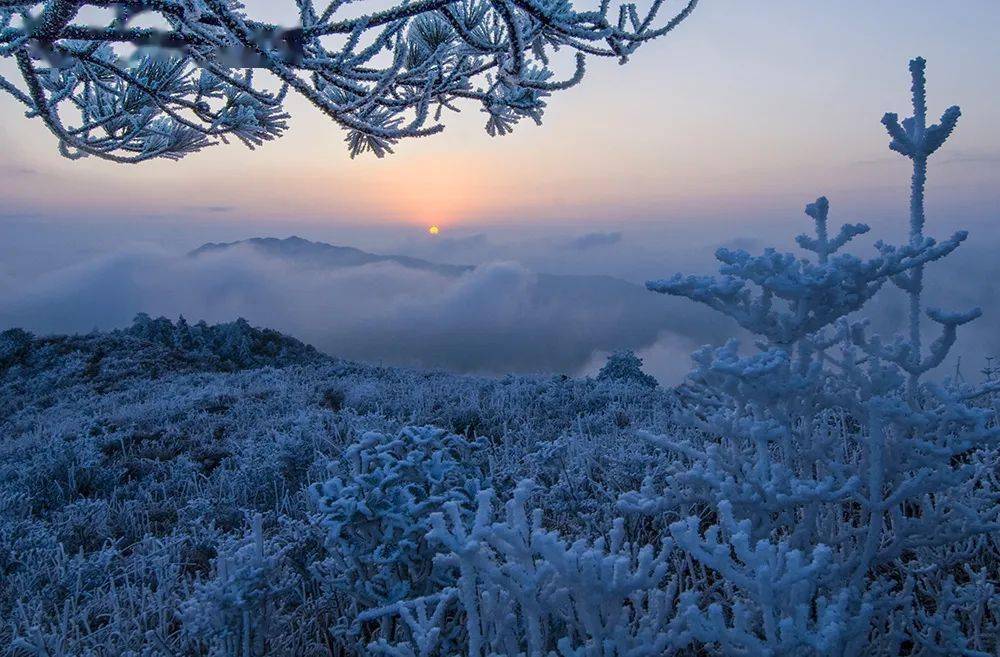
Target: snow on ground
(135, 464)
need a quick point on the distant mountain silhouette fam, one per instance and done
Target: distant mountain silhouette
(633, 315)
(320, 254)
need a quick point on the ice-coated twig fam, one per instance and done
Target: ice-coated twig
(814, 295)
(822, 245)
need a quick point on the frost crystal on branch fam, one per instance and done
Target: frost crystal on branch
(165, 78)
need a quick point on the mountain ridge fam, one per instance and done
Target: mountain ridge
(324, 254)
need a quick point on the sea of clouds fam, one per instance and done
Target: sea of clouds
(496, 318)
(502, 316)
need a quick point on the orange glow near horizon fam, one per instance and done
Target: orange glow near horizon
(653, 140)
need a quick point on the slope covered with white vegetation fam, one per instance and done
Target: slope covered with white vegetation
(157, 482)
(227, 491)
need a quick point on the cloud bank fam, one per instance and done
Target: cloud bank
(500, 317)
(497, 318)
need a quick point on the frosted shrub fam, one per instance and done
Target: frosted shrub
(13, 346)
(523, 590)
(377, 512)
(625, 366)
(229, 612)
(251, 605)
(233, 345)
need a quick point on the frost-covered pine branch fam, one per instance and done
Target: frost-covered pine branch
(165, 78)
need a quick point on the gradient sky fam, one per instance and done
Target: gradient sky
(746, 112)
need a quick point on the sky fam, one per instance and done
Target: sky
(745, 112)
(716, 134)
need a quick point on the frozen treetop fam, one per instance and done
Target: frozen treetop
(914, 138)
(140, 79)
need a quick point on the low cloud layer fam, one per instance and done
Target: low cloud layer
(498, 318)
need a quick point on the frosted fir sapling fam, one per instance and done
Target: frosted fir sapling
(836, 494)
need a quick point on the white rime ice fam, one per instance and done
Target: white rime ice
(127, 92)
(225, 491)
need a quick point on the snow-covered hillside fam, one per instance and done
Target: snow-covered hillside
(141, 469)
(223, 490)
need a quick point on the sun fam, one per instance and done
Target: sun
(433, 230)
